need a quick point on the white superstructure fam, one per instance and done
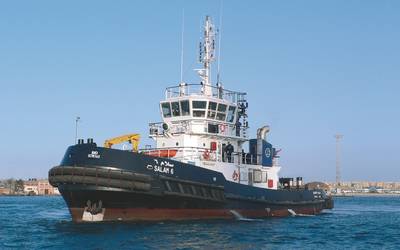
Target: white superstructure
(206, 126)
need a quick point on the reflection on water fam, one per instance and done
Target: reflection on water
(358, 222)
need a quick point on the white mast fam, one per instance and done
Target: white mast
(183, 30)
(219, 44)
(207, 56)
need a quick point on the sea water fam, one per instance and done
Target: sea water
(355, 223)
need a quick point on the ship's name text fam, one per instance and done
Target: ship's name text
(161, 167)
(94, 155)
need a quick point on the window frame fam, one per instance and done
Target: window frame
(170, 110)
(188, 105)
(179, 109)
(193, 101)
(212, 111)
(233, 114)
(259, 174)
(199, 110)
(221, 104)
(221, 114)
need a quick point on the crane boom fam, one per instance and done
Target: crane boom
(131, 138)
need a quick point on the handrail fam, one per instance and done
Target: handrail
(198, 153)
(169, 148)
(157, 129)
(190, 89)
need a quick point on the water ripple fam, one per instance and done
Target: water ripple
(355, 223)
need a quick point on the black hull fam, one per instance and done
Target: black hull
(100, 184)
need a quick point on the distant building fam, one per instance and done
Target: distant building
(317, 185)
(368, 187)
(39, 187)
(4, 191)
(31, 187)
(44, 187)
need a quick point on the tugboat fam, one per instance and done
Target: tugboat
(203, 164)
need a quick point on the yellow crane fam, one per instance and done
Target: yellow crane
(131, 138)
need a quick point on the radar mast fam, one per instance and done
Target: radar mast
(207, 48)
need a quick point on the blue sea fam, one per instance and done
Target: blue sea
(355, 223)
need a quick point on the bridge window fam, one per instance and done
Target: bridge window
(199, 104)
(199, 113)
(212, 107)
(185, 109)
(221, 112)
(199, 108)
(231, 114)
(221, 107)
(166, 109)
(175, 109)
(221, 116)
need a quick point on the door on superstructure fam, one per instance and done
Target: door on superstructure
(223, 156)
(250, 175)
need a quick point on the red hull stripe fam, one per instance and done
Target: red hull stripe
(145, 214)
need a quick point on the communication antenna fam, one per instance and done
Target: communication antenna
(219, 42)
(338, 175)
(182, 34)
(200, 43)
(77, 119)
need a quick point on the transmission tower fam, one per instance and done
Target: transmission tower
(338, 175)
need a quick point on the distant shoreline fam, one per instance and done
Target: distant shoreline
(363, 194)
(23, 195)
(348, 195)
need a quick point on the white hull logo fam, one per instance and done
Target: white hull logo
(268, 152)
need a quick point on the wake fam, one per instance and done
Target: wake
(240, 217)
(294, 214)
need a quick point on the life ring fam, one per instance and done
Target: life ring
(235, 176)
(222, 128)
(206, 155)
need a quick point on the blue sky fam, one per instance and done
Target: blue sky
(311, 69)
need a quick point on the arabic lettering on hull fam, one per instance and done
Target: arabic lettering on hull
(161, 166)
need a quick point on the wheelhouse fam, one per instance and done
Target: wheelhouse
(213, 110)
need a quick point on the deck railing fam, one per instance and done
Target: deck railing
(203, 154)
(229, 130)
(199, 89)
